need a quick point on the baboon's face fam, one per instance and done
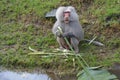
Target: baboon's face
(66, 15)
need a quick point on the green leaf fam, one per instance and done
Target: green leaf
(97, 73)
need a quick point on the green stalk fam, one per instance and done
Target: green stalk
(79, 61)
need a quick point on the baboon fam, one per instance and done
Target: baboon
(68, 21)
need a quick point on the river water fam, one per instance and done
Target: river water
(35, 75)
(10, 75)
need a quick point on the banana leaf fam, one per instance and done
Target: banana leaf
(97, 73)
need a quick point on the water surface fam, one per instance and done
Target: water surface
(35, 75)
(10, 75)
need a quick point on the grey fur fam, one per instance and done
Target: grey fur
(73, 27)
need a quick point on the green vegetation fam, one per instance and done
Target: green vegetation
(96, 73)
(22, 24)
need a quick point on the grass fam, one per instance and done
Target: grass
(22, 24)
(105, 8)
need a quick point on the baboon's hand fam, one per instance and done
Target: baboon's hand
(68, 35)
(58, 33)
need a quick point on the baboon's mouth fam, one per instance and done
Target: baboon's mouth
(66, 21)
